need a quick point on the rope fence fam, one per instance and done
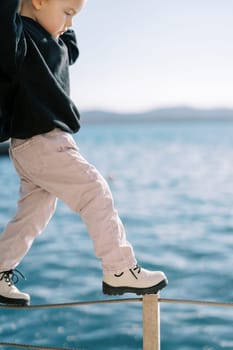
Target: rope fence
(151, 317)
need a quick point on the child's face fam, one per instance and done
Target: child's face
(56, 16)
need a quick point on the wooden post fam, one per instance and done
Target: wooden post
(151, 322)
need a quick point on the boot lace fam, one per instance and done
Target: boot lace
(11, 277)
(135, 271)
(137, 268)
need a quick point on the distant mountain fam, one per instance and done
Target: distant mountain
(159, 115)
(175, 114)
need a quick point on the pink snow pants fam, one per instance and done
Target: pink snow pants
(50, 167)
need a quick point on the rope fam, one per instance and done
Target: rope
(71, 304)
(196, 302)
(114, 301)
(32, 347)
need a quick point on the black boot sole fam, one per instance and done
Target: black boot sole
(16, 302)
(109, 290)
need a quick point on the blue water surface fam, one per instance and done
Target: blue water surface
(173, 187)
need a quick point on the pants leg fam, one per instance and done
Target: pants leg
(35, 208)
(53, 163)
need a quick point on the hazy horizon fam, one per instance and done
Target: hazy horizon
(159, 108)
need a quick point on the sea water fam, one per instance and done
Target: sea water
(173, 187)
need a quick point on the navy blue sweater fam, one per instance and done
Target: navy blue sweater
(34, 77)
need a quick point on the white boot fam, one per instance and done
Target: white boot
(9, 294)
(136, 280)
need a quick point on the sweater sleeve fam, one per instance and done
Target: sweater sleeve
(69, 39)
(11, 37)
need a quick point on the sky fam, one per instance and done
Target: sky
(136, 55)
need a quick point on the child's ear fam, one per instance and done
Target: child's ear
(37, 4)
